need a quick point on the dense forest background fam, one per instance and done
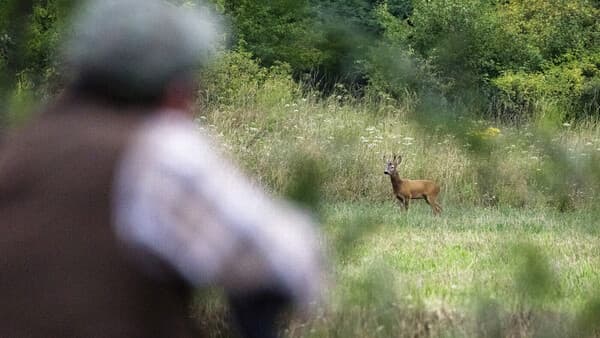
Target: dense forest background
(510, 59)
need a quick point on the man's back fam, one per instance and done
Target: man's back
(63, 271)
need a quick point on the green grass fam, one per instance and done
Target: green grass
(471, 272)
(403, 270)
(470, 250)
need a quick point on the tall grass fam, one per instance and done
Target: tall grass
(266, 119)
(514, 253)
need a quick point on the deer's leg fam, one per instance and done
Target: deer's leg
(431, 202)
(437, 209)
(406, 202)
(400, 201)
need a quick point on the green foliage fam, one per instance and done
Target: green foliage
(235, 79)
(508, 53)
(29, 35)
(275, 31)
(514, 60)
(571, 86)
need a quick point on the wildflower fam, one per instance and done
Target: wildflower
(408, 138)
(566, 124)
(487, 133)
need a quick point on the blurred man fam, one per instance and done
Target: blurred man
(112, 206)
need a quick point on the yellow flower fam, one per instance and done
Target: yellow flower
(488, 133)
(492, 132)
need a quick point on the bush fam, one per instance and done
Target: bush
(237, 80)
(572, 87)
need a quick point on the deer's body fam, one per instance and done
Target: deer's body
(405, 189)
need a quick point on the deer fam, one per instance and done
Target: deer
(405, 189)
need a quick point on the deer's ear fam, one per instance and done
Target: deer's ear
(399, 159)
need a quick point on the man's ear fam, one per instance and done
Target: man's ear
(179, 94)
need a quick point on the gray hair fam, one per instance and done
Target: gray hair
(129, 50)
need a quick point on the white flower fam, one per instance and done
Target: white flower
(407, 138)
(566, 124)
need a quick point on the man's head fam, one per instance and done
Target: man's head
(137, 52)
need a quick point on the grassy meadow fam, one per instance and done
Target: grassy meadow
(515, 253)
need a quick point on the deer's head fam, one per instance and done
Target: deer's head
(391, 166)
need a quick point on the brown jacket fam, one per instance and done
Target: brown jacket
(62, 270)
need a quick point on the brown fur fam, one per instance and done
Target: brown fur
(405, 189)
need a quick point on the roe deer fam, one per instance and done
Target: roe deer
(405, 189)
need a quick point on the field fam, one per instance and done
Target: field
(515, 253)
(472, 272)
(417, 275)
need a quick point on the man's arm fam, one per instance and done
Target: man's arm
(176, 197)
